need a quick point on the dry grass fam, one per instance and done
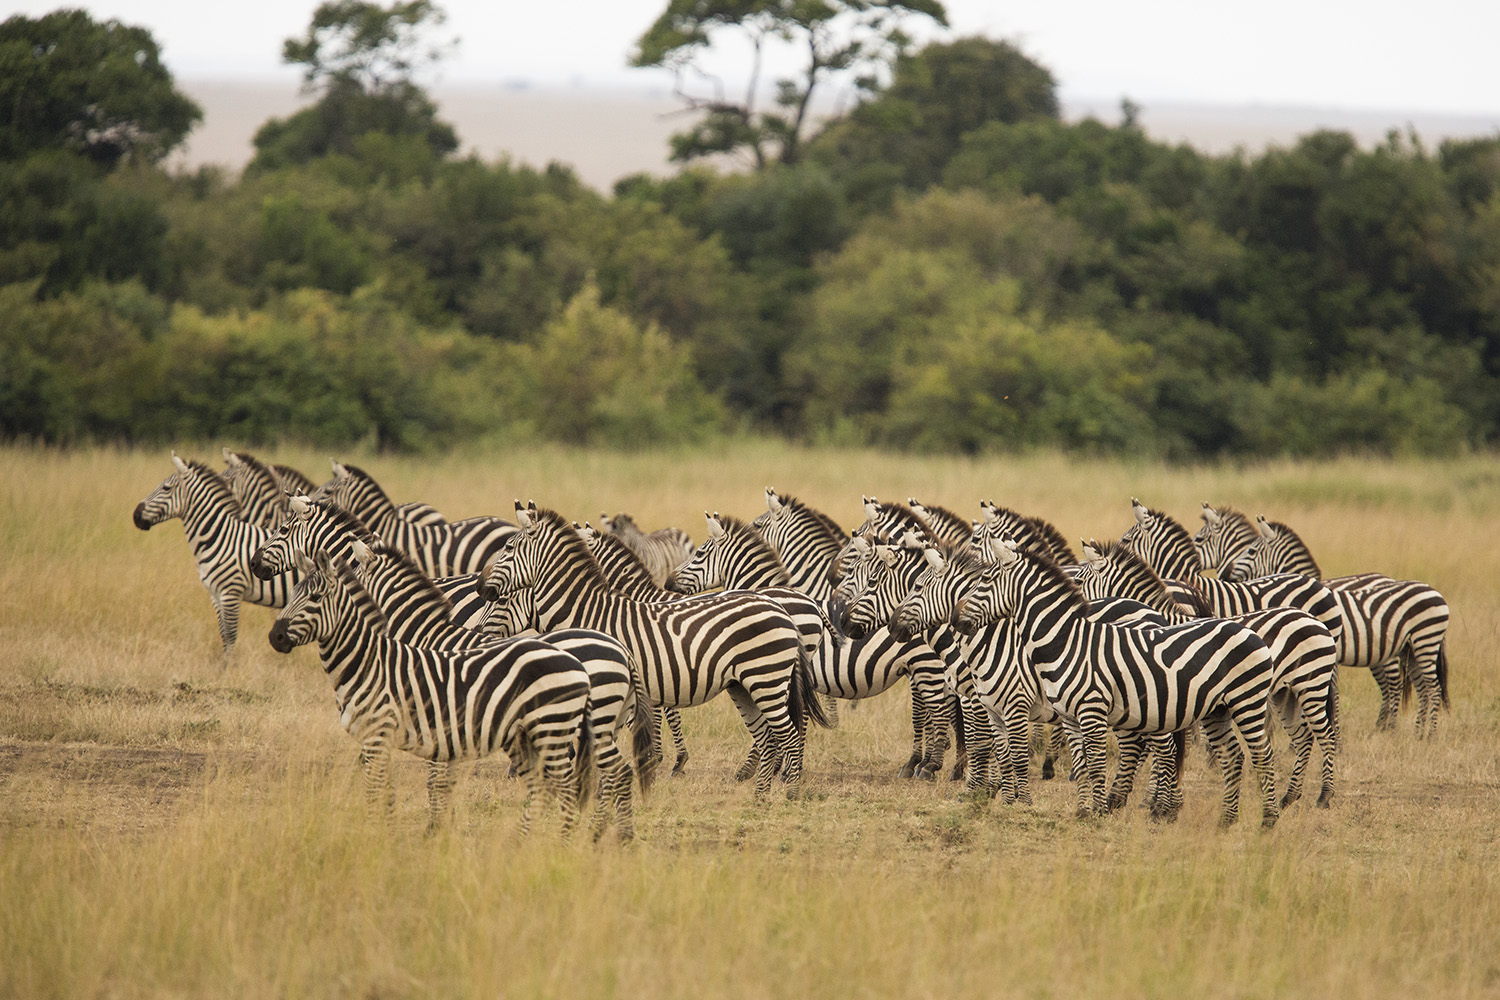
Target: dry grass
(170, 828)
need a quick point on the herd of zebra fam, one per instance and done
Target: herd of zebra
(569, 646)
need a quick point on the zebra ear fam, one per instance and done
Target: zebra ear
(915, 505)
(1210, 516)
(523, 516)
(1090, 550)
(934, 558)
(360, 551)
(301, 506)
(230, 457)
(715, 526)
(1139, 510)
(1264, 527)
(340, 471)
(860, 544)
(912, 540)
(887, 555)
(180, 465)
(324, 562)
(872, 507)
(1003, 550)
(305, 564)
(773, 502)
(988, 511)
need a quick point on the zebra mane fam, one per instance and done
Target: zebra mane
(573, 549)
(944, 522)
(259, 468)
(1055, 574)
(1291, 537)
(416, 586)
(897, 519)
(834, 529)
(1174, 533)
(364, 604)
(736, 529)
(219, 490)
(345, 523)
(1139, 580)
(1030, 532)
(625, 565)
(1053, 539)
(363, 476)
(293, 480)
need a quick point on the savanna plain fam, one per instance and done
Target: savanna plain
(170, 826)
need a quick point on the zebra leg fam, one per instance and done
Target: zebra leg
(1016, 718)
(920, 722)
(674, 723)
(981, 738)
(1302, 740)
(607, 762)
(928, 691)
(764, 757)
(439, 793)
(1388, 678)
(1093, 729)
(375, 763)
(1320, 712)
(960, 739)
(1132, 751)
(227, 610)
(1220, 736)
(1056, 750)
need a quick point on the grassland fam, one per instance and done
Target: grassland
(169, 827)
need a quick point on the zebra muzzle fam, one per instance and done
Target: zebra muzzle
(281, 638)
(140, 517)
(259, 568)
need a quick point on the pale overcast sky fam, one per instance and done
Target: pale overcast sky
(1436, 55)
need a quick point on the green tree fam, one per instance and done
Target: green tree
(361, 59)
(97, 88)
(907, 133)
(834, 36)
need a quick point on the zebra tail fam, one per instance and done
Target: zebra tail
(1333, 711)
(1404, 661)
(1442, 672)
(828, 622)
(644, 733)
(583, 762)
(805, 703)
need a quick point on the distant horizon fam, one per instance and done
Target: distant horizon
(608, 132)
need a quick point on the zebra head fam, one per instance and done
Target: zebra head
(310, 527)
(515, 566)
(512, 615)
(881, 583)
(1276, 549)
(168, 500)
(706, 569)
(302, 620)
(994, 589)
(1161, 543)
(1225, 535)
(934, 592)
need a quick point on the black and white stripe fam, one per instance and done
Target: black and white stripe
(689, 651)
(1304, 686)
(418, 613)
(1137, 681)
(805, 539)
(525, 696)
(660, 551)
(443, 549)
(222, 541)
(1397, 628)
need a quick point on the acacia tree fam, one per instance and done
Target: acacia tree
(858, 37)
(361, 59)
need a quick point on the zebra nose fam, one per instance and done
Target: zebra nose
(489, 592)
(259, 568)
(140, 517)
(901, 632)
(281, 639)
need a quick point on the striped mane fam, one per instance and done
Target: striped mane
(259, 469)
(945, 523)
(293, 480)
(364, 604)
(1172, 533)
(1054, 576)
(572, 550)
(375, 489)
(344, 523)
(419, 591)
(625, 568)
(1292, 540)
(1053, 539)
(896, 519)
(218, 490)
(750, 541)
(1140, 582)
(835, 531)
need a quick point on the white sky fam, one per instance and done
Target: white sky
(1432, 55)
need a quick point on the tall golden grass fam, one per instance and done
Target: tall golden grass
(170, 827)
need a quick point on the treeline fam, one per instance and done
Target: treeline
(950, 266)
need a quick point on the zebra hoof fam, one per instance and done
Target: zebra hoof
(1267, 822)
(1326, 799)
(957, 774)
(907, 771)
(926, 774)
(1292, 795)
(1048, 770)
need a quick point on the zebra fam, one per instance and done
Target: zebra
(625, 574)
(1031, 532)
(736, 556)
(689, 651)
(1225, 535)
(1397, 631)
(526, 697)
(259, 490)
(660, 552)
(221, 539)
(1304, 687)
(418, 614)
(442, 549)
(916, 589)
(1135, 680)
(1397, 628)
(943, 523)
(805, 539)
